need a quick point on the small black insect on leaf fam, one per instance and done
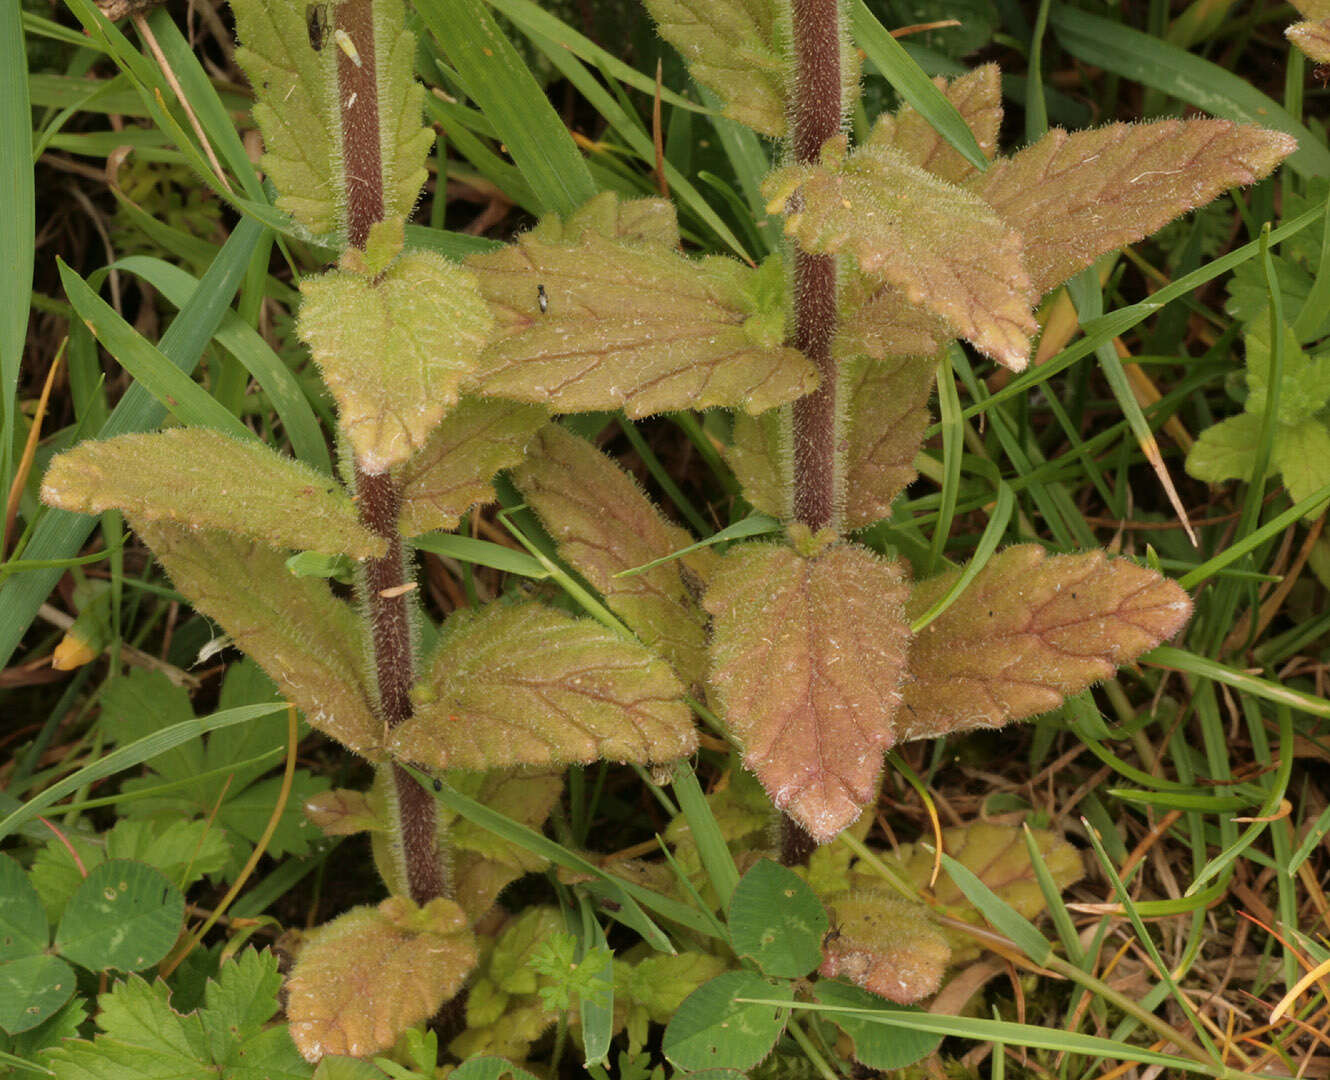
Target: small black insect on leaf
(316, 22)
(438, 784)
(542, 299)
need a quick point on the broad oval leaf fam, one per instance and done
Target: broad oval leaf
(452, 472)
(977, 96)
(942, 246)
(713, 1031)
(1075, 197)
(364, 978)
(887, 415)
(527, 685)
(886, 945)
(202, 478)
(393, 349)
(125, 915)
(23, 929)
(807, 655)
(1030, 630)
(294, 628)
(592, 314)
(32, 989)
(875, 1045)
(777, 920)
(604, 524)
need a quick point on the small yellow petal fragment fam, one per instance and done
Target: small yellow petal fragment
(72, 652)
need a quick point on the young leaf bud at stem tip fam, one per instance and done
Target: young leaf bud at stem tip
(397, 590)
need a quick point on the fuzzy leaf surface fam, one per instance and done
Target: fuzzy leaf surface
(393, 350)
(364, 978)
(888, 413)
(1030, 630)
(977, 96)
(631, 323)
(143, 1037)
(306, 639)
(1312, 35)
(807, 655)
(731, 47)
(880, 323)
(604, 523)
(404, 139)
(942, 246)
(296, 109)
(200, 477)
(886, 945)
(527, 685)
(454, 469)
(755, 454)
(1075, 197)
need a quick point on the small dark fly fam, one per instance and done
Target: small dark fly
(542, 299)
(316, 22)
(438, 784)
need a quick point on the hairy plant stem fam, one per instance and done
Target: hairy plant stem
(815, 115)
(378, 496)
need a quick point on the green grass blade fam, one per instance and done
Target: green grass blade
(1166, 656)
(909, 80)
(507, 93)
(481, 553)
(711, 846)
(185, 399)
(1004, 918)
(988, 544)
(59, 534)
(17, 223)
(137, 752)
(1179, 74)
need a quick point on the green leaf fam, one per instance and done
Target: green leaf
(758, 453)
(62, 1025)
(1226, 451)
(393, 349)
(1302, 455)
(143, 1037)
(604, 524)
(184, 851)
(776, 920)
(660, 983)
(296, 109)
(451, 473)
(884, 944)
(941, 245)
(878, 1047)
(32, 990)
(404, 138)
(490, 1068)
(304, 637)
(1075, 197)
(735, 48)
(628, 322)
(126, 916)
(1030, 630)
(1304, 389)
(204, 478)
(1312, 37)
(23, 928)
(713, 1031)
(807, 654)
(1001, 916)
(527, 685)
(364, 978)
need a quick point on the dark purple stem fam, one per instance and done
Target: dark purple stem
(815, 115)
(378, 495)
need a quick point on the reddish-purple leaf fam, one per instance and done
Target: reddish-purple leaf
(1030, 630)
(807, 654)
(1075, 197)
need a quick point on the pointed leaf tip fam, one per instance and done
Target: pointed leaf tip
(942, 246)
(1075, 197)
(806, 658)
(1030, 630)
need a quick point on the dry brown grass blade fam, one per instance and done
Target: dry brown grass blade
(29, 450)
